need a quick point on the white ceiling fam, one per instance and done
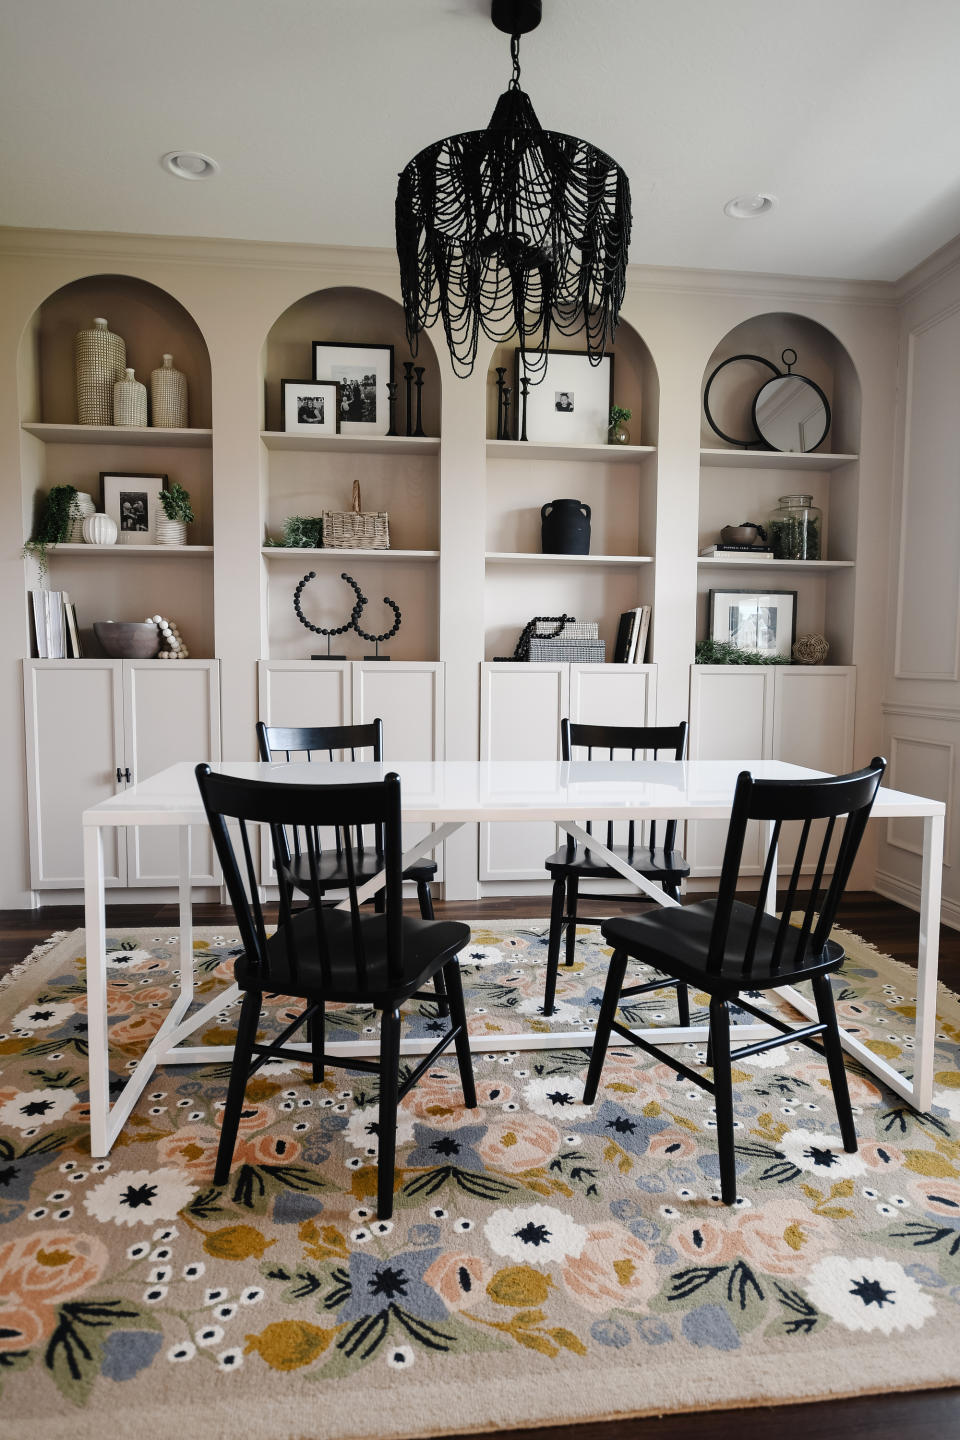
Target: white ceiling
(847, 110)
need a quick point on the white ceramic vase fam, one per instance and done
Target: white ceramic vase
(171, 532)
(82, 507)
(99, 530)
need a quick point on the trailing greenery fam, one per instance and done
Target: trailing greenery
(58, 513)
(724, 652)
(619, 416)
(176, 504)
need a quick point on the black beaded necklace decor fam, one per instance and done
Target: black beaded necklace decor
(351, 624)
(521, 651)
(513, 230)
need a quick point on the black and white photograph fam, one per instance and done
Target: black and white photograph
(133, 503)
(571, 404)
(362, 373)
(753, 620)
(310, 407)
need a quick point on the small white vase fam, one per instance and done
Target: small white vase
(82, 507)
(99, 530)
(171, 532)
(129, 400)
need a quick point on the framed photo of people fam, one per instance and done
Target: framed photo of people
(310, 407)
(133, 503)
(570, 405)
(760, 620)
(363, 373)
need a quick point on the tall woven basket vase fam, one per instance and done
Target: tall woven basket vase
(99, 360)
(129, 400)
(168, 396)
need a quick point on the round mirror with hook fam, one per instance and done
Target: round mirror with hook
(790, 412)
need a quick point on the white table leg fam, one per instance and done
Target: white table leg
(95, 924)
(185, 898)
(929, 952)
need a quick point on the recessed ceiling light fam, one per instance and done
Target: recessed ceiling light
(189, 165)
(748, 207)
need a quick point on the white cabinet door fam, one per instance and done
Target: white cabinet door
(304, 692)
(813, 716)
(171, 712)
(614, 695)
(731, 718)
(521, 706)
(73, 714)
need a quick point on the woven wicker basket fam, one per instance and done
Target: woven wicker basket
(356, 529)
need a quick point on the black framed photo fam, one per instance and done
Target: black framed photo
(363, 373)
(310, 407)
(132, 502)
(760, 620)
(571, 404)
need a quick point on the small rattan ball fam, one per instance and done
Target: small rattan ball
(810, 650)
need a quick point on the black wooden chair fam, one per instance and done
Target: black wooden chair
(725, 946)
(320, 954)
(573, 863)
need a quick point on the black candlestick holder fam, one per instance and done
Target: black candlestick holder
(392, 401)
(408, 383)
(501, 371)
(524, 387)
(418, 371)
(506, 412)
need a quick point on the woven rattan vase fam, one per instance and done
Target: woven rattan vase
(129, 400)
(168, 396)
(99, 358)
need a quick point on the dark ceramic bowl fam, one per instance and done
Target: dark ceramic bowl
(127, 639)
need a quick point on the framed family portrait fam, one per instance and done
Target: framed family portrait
(132, 502)
(310, 407)
(764, 621)
(363, 373)
(571, 404)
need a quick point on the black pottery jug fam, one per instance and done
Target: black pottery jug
(565, 528)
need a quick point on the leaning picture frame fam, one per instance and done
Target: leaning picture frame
(363, 373)
(570, 405)
(760, 620)
(133, 503)
(310, 407)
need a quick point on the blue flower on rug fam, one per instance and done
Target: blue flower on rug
(630, 1131)
(446, 1147)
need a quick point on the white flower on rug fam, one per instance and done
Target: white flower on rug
(482, 955)
(43, 1017)
(813, 1150)
(556, 1095)
(140, 1197)
(36, 1107)
(872, 1294)
(128, 959)
(362, 1130)
(534, 1235)
(948, 1100)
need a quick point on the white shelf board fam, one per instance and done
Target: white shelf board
(165, 551)
(609, 454)
(507, 557)
(155, 436)
(296, 552)
(353, 444)
(710, 562)
(772, 459)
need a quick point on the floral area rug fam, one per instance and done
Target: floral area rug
(546, 1262)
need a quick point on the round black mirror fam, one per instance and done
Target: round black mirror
(728, 396)
(791, 413)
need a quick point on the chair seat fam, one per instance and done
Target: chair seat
(332, 872)
(677, 940)
(427, 946)
(666, 865)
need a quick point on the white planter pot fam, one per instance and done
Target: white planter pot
(82, 507)
(99, 530)
(171, 532)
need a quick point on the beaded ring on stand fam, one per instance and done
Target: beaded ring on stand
(171, 640)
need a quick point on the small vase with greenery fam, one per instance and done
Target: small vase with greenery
(53, 526)
(178, 512)
(619, 434)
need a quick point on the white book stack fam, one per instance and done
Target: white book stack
(49, 624)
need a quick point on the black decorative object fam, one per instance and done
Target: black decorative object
(789, 413)
(506, 412)
(522, 647)
(392, 402)
(418, 371)
(501, 371)
(352, 624)
(565, 528)
(365, 634)
(513, 229)
(408, 382)
(524, 391)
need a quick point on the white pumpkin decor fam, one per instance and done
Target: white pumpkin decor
(99, 529)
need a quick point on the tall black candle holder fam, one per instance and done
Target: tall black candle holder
(408, 383)
(392, 401)
(506, 412)
(524, 387)
(501, 371)
(418, 371)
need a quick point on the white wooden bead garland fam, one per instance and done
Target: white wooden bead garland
(170, 637)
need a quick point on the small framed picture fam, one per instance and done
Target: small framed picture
(311, 407)
(363, 373)
(132, 503)
(764, 621)
(571, 404)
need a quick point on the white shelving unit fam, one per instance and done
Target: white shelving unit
(151, 436)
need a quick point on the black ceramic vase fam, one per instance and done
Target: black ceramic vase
(565, 528)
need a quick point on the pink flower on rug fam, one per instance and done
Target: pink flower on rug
(252, 1119)
(674, 1144)
(613, 1268)
(437, 1100)
(518, 1142)
(459, 1280)
(784, 1238)
(37, 1272)
(936, 1197)
(862, 1092)
(120, 1000)
(138, 1029)
(266, 1150)
(706, 1241)
(151, 995)
(880, 1155)
(192, 1149)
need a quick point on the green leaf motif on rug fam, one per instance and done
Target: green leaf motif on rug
(74, 1352)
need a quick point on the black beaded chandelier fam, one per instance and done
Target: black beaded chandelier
(514, 230)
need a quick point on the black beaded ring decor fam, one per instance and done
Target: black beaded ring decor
(320, 629)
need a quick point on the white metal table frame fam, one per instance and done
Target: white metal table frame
(447, 795)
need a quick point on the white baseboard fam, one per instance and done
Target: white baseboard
(905, 892)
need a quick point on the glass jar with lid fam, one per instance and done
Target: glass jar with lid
(796, 528)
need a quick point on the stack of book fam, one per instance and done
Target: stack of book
(55, 625)
(578, 641)
(632, 632)
(738, 552)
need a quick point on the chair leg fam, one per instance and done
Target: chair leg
(573, 894)
(553, 946)
(316, 1027)
(425, 898)
(242, 1054)
(387, 1114)
(683, 1004)
(723, 1096)
(823, 995)
(440, 989)
(458, 1015)
(608, 1011)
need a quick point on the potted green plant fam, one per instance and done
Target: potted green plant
(57, 515)
(177, 514)
(619, 434)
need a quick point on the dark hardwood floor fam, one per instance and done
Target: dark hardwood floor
(920, 1415)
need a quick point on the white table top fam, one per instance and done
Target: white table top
(464, 790)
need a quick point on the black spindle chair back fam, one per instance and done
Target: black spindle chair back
(644, 742)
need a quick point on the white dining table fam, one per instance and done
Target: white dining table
(445, 795)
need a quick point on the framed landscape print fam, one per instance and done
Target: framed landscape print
(363, 373)
(310, 407)
(571, 404)
(132, 503)
(764, 621)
